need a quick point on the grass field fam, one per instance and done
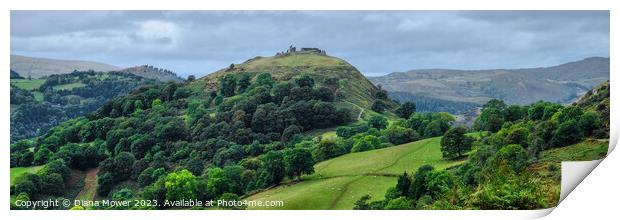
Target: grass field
(27, 84)
(339, 182)
(18, 171)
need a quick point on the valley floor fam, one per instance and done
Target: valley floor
(339, 182)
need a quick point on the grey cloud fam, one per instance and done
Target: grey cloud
(377, 42)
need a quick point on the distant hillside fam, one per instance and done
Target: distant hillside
(39, 67)
(40, 104)
(562, 84)
(155, 73)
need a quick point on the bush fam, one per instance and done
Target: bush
(368, 142)
(513, 155)
(378, 122)
(400, 203)
(400, 135)
(181, 185)
(567, 133)
(589, 122)
(327, 148)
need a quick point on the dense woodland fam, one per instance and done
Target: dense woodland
(64, 97)
(498, 172)
(229, 142)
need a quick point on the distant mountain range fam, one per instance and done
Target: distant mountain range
(40, 67)
(561, 84)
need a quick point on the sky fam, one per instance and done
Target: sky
(376, 42)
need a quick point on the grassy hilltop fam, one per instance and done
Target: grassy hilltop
(354, 87)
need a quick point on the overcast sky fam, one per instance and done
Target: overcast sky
(200, 42)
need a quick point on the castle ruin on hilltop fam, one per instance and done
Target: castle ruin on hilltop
(303, 50)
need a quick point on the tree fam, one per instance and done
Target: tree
(145, 179)
(403, 184)
(290, 132)
(124, 194)
(378, 122)
(405, 110)
(123, 164)
(455, 143)
(568, 113)
(216, 183)
(491, 119)
(273, 170)
(105, 183)
(378, 106)
(305, 81)
(380, 93)
(567, 133)
(543, 133)
(232, 177)
(588, 122)
(26, 187)
(419, 186)
(228, 84)
(52, 184)
(514, 155)
(191, 78)
(400, 135)
(56, 166)
(281, 90)
(264, 79)
(298, 161)
(42, 156)
(181, 185)
(514, 112)
(245, 80)
(518, 135)
(141, 144)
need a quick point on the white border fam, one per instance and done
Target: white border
(592, 194)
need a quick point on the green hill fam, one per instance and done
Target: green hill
(350, 84)
(339, 182)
